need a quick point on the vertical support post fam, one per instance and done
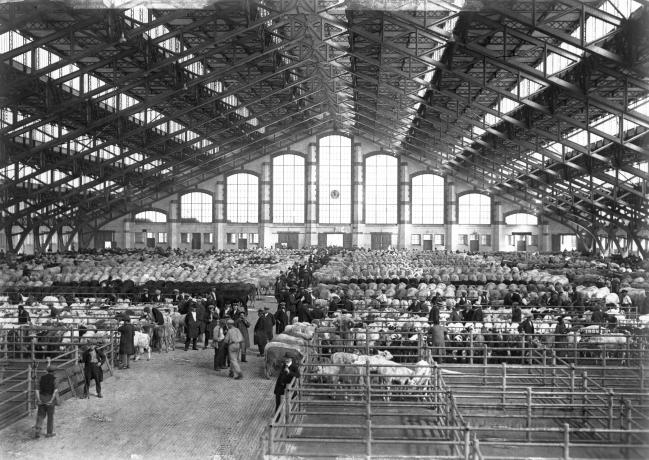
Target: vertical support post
(554, 368)
(642, 377)
(368, 414)
(476, 448)
(271, 436)
(367, 341)
(604, 360)
(484, 365)
(287, 399)
(529, 414)
(566, 441)
(32, 347)
(467, 441)
(523, 349)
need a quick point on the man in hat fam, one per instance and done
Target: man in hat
(23, 316)
(126, 342)
(264, 329)
(291, 303)
(192, 326)
(625, 301)
(46, 399)
(176, 298)
(527, 326)
(286, 375)
(234, 339)
(281, 318)
(92, 359)
(157, 296)
(145, 297)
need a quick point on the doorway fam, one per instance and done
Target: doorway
(288, 240)
(196, 240)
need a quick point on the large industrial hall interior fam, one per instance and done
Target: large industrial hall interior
(337, 229)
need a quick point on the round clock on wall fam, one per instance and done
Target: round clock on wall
(335, 194)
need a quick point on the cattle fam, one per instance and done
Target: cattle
(142, 342)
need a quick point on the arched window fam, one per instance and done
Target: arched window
(243, 198)
(335, 180)
(521, 218)
(428, 199)
(196, 206)
(151, 216)
(474, 208)
(381, 189)
(288, 189)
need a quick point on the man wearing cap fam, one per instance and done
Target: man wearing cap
(176, 298)
(46, 399)
(264, 329)
(234, 339)
(157, 296)
(286, 375)
(527, 326)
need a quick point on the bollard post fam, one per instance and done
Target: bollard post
(529, 414)
(467, 441)
(566, 441)
(504, 384)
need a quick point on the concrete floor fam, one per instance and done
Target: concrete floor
(172, 407)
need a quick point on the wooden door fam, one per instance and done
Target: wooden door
(150, 242)
(381, 240)
(428, 245)
(347, 240)
(556, 243)
(243, 243)
(474, 245)
(196, 240)
(290, 239)
(322, 240)
(521, 245)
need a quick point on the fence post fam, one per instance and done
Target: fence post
(368, 447)
(566, 441)
(604, 359)
(368, 414)
(476, 448)
(467, 441)
(554, 368)
(529, 414)
(584, 389)
(642, 376)
(32, 347)
(610, 412)
(29, 389)
(504, 384)
(484, 365)
(471, 347)
(367, 340)
(572, 383)
(271, 440)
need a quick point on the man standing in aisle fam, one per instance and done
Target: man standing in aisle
(92, 359)
(126, 342)
(192, 327)
(234, 339)
(46, 399)
(264, 329)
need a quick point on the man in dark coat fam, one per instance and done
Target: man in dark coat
(241, 321)
(433, 315)
(517, 313)
(145, 297)
(192, 327)
(477, 314)
(291, 304)
(92, 360)
(126, 342)
(264, 329)
(286, 375)
(23, 315)
(598, 316)
(281, 318)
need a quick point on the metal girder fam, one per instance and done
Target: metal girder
(178, 174)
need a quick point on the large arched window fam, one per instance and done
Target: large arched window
(196, 206)
(474, 208)
(428, 199)
(381, 189)
(243, 198)
(521, 218)
(335, 180)
(151, 216)
(288, 189)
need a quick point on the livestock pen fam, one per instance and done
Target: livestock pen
(365, 417)
(543, 407)
(23, 363)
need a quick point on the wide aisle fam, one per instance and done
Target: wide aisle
(174, 406)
